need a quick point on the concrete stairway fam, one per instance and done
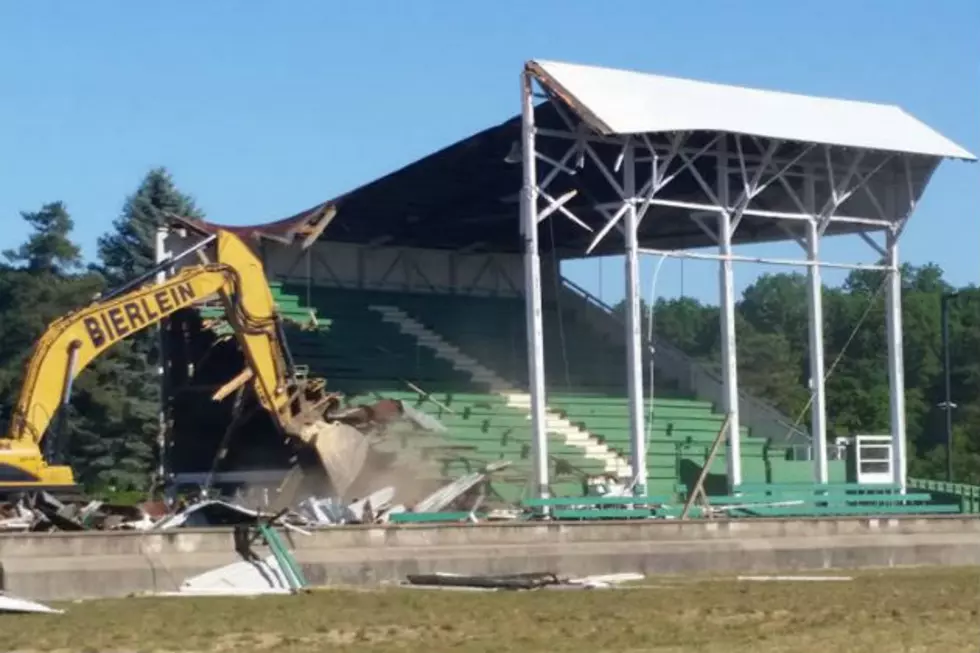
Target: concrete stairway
(442, 348)
(517, 399)
(575, 436)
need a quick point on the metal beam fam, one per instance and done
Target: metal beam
(726, 287)
(634, 354)
(532, 288)
(896, 364)
(856, 170)
(161, 255)
(768, 260)
(760, 213)
(659, 149)
(818, 402)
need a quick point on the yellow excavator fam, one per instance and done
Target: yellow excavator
(227, 270)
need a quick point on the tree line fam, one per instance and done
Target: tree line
(111, 423)
(773, 357)
(110, 427)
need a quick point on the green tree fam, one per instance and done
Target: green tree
(49, 249)
(123, 454)
(687, 324)
(773, 356)
(128, 250)
(43, 281)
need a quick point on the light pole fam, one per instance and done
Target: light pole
(947, 404)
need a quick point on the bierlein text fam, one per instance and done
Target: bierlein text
(112, 324)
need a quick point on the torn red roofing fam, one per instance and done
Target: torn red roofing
(305, 226)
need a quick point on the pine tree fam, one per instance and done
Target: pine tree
(123, 455)
(44, 281)
(128, 250)
(38, 286)
(49, 250)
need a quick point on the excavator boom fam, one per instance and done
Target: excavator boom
(72, 342)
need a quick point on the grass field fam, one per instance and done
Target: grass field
(902, 610)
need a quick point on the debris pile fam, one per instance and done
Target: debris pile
(42, 512)
(253, 575)
(17, 605)
(526, 581)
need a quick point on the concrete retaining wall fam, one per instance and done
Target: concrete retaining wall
(94, 564)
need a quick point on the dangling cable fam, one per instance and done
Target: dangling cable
(840, 355)
(649, 343)
(649, 348)
(682, 280)
(309, 278)
(600, 280)
(561, 320)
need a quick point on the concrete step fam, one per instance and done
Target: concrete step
(554, 423)
(573, 434)
(598, 451)
(442, 348)
(582, 440)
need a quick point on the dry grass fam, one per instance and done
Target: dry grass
(906, 610)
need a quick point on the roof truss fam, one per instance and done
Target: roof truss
(677, 181)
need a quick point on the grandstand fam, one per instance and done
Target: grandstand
(417, 286)
(469, 353)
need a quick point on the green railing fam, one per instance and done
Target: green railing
(967, 496)
(763, 500)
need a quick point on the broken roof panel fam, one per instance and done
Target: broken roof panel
(304, 227)
(625, 102)
(464, 197)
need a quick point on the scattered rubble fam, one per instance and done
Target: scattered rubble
(42, 512)
(253, 575)
(330, 511)
(209, 512)
(15, 517)
(527, 581)
(242, 578)
(447, 495)
(353, 498)
(807, 579)
(16, 604)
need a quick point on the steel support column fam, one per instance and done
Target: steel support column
(532, 288)
(818, 405)
(727, 303)
(896, 365)
(818, 401)
(163, 436)
(634, 363)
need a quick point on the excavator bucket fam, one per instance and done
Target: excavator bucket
(338, 449)
(342, 451)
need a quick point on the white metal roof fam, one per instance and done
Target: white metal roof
(627, 102)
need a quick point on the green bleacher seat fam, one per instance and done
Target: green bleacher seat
(366, 357)
(831, 499)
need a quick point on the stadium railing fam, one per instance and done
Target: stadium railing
(966, 496)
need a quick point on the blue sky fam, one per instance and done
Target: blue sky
(263, 109)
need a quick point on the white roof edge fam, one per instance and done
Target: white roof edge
(616, 101)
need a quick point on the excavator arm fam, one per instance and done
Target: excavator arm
(236, 277)
(72, 342)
